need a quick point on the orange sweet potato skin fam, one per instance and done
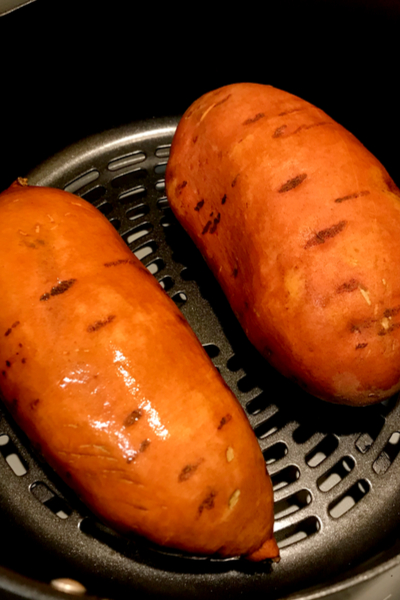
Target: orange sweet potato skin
(109, 382)
(301, 226)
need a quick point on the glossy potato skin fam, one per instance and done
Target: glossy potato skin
(103, 373)
(301, 226)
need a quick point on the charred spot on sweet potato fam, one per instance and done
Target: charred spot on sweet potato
(189, 470)
(8, 364)
(254, 119)
(199, 205)
(289, 112)
(99, 324)
(293, 183)
(133, 417)
(234, 182)
(224, 421)
(360, 346)
(348, 286)
(223, 199)
(208, 502)
(207, 227)
(325, 234)
(352, 196)
(8, 332)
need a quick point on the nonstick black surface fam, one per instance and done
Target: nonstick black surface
(118, 76)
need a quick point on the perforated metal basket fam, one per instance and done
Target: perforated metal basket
(335, 469)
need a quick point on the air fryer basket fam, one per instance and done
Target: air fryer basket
(334, 468)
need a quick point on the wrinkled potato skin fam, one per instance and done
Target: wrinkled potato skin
(300, 224)
(105, 376)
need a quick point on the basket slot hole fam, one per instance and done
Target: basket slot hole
(116, 223)
(258, 404)
(292, 504)
(11, 456)
(167, 219)
(145, 250)
(297, 532)
(179, 298)
(138, 232)
(163, 203)
(126, 161)
(349, 499)
(322, 451)
(336, 474)
(81, 181)
(388, 454)
(57, 505)
(270, 426)
(285, 477)
(234, 363)
(160, 185)
(95, 194)
(167, 282)
(156, 266)
(105, 208)
(16, 464)
(160, 169)
(129, 179)
(140, 210)
(163, 151)
(133, 194)
(246, 384)
(212, 350)
(366, 439)
(187, 274)
(275, 453)
(302, 434)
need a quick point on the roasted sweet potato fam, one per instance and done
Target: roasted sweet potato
(104, 374)
(301, 226)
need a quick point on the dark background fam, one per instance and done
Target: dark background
(69, 69)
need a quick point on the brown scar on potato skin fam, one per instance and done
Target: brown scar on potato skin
(206, 228)
(133, 417)
(180, 186)
(224, 421)
(189, 470)
(223, 199)
(234, 182)
(199, 205)
(58, 289)
(325, 234)
(208, 502)
(279, 131)
(13, 326)
(254, 119)
(348, 286)
(291, 184)
(352, 196)
(120, 261)
(215, 224)
(391, 312)
(99, 324)
(360, 346)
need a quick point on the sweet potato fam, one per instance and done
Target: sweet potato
(301, 226)
(104, 374)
